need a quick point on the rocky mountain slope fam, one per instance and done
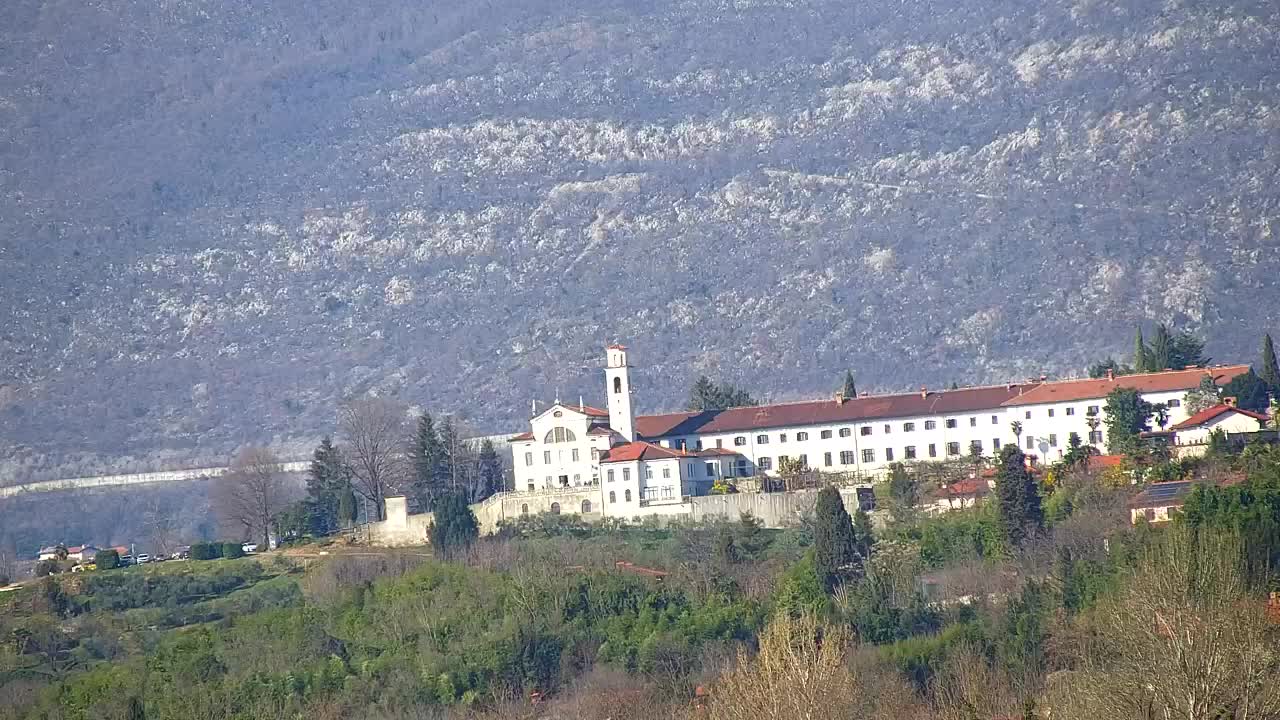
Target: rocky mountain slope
(217, 219)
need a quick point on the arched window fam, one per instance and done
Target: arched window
(524, 509)
(627, 495)
(613, 497)
(555, 508)
(617, 384)
(559, 435)
(586, 507)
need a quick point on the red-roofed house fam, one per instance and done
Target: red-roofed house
(641, 474)
(1190, 437)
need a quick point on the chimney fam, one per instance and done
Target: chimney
(1229, 401)
(1111, 374)
(840, 397)
(924, 392)
(1043, 377)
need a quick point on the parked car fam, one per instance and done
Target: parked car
(250, 547)
(143, 558)
(126, 560)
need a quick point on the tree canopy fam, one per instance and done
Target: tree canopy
(707, 395)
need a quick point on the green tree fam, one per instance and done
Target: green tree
(1127, 417)
(834, 542)
(1186, 350)
(106, 559)
(726, 547)
(1021, 515)
(1203, 397)
(60, 551)
(1218, 446)
(429, 465)
(451, 457)
(1160, 354)
(904, 492)
(1160, 413)
(864, 537)
(1250, 391)
(706, 395)
(1141, 354)
(1270, 373)
(1102, 368)
(135, 709)
(454, 528)
(490, 469)
(327, 479)
(232, 550)
(849, 390)
(1024, 639)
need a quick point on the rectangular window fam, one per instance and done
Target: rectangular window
(953, 448)
(825, 435)
(546, 457)
(846, 457)
(697, 444)
(782, 437)
(930, 424)
(995, 419)
(608, 475)
(845, 432)
(888, 428)
(782, 460)
(742, 467)
(528, 458)
(626, 475)
(1050, 412)
(1095, 437)
(973, 422)
(548, 481)
(888, 454)
(868, 455)
(762, 439)
(1071, 411)
(804, 461)
(865, 430)
(711, 469)
(826, 459)
(951, 422)
(692, 470)
(1028, 414)
(1174, 403)
(909, 452)
(574, 454)
(666, 471)
(740, 440)
(1031, 443)
(764, 463)
(719, 442)
(1093, 410)
(975, 447)
(802, 436)
(648, 473)
(908, 427)
(933, 450)
(995, 445)
(1053, 440)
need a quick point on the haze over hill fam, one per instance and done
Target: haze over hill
(217, 219)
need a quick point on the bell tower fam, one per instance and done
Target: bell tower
(617, 378)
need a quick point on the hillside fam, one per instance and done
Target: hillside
(217, 219)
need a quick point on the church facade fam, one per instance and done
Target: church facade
(640, 464)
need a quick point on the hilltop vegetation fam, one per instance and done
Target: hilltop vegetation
(221, 216)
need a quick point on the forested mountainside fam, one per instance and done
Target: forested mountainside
(220, 218)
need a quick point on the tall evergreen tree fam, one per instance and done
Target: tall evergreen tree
(706, 395)
(1161, 356)
(863, 534)
(454, 527)
(835, 546)
(702, 394)
(327, 479)
(1270, 372)
(428, 456)
(490, 469)
(1127, 416)
(1141, 359)
(849, 390)
(1021, 515)
(1186, 350)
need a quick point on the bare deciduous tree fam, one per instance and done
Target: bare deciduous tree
(1186, 638)
(162, 527)
(251, 493)
(373, 433)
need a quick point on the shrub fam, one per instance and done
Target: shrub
(232, 550)
(46, 568)
(106, 559)
(206, 551)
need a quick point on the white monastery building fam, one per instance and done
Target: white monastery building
(657, 459)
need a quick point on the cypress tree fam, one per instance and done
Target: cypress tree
(428, 463)
(702, 396)
(327, 478)
(849, 390)
(454, 527)
(834, 544)
(1021, 516)
(490, 468)
(1141, 361)
(1270, 371)
(1161, 354)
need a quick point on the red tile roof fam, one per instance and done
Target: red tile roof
(1169, 381)
(715, 452)
(628, 452)
(818, 412)
(599, 430)
(587, 409)
(1205, 416)
(1102, 462)
(522, 436)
